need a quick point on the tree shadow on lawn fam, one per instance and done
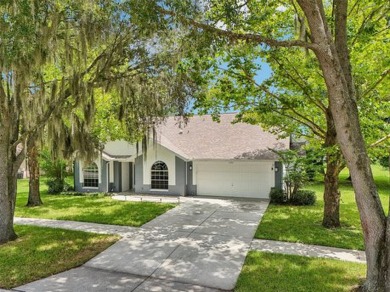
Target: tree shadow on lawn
(304, 225)
(102, 210)
(275, 272)
(40, 252)
(128, 214)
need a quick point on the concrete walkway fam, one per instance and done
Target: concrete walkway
(200, 245)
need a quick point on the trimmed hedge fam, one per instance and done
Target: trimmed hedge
(56, 186)
(278, 196)
(303, 198)
(300, 198)
(86, 194)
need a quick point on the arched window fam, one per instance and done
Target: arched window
(91, 176)
(159, 176)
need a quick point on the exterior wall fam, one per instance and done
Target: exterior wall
(138, 175)
(180, 187)
(176, 172)
(110, 169)
(131, 176)
(159, 153)
(120, 147)
(23, 170)
(125, 176)
(79, 182)
(191, 188)
(117, 177)
(104, 176)
(278, 175)
(76, 174)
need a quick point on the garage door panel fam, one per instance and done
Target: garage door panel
(238, 179)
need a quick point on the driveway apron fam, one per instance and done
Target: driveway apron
(200, 245)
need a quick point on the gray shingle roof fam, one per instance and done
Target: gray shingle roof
(202, 138)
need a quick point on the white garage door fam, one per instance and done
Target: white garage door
(236, 179)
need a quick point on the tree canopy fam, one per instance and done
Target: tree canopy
(56, 56)
(328, 31)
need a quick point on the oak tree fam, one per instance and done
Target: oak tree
(329, 39)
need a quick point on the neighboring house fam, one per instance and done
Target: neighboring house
(201, 157)
(23, 168)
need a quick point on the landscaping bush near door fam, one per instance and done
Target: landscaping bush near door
(278, 196)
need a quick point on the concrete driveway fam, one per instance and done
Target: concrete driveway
(200, 245)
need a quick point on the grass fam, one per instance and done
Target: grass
(275, 272)
(40, 252)
(303, 224)
(102, 209)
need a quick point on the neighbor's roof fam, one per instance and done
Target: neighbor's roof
(202, 138)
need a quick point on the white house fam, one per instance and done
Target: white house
(202, 158)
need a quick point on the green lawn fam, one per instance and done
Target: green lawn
(40, 252)
(88, 209)
(274, 272)
(303, 224)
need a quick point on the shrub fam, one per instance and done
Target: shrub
(303, 198)
(56, 171)
(56, 186)
(80, 194)
(278, 196)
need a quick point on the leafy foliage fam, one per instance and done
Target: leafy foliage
(57, 185)
(303, 198)
(299, 198)
(56, 55)
(278, 196)
(385, 161)
(56, 172)
(295, 164)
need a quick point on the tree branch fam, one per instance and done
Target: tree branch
(56, 103)
(310, 126)
(234, 36)
(341, 43)
(380, 141)
(314, 101)
(366, 19)
(376, 83)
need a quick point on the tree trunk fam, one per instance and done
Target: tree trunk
(331, 194)
(7, 188)
(344, 110)
(331, 215)
(34, 196)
